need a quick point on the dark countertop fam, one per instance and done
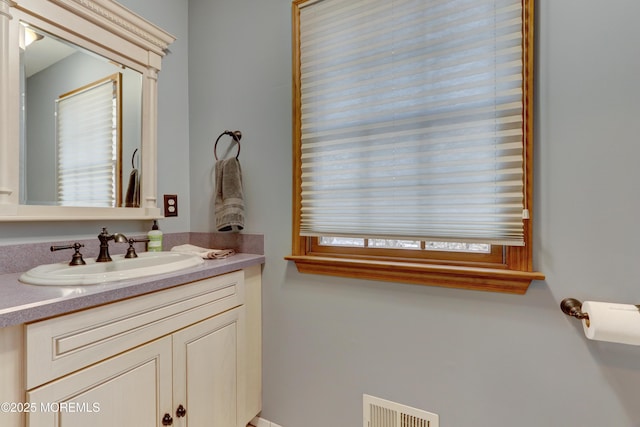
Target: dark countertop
(22, 303)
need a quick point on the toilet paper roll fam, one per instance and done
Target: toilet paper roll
(611, 322)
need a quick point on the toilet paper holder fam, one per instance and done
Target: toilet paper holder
(572, 307)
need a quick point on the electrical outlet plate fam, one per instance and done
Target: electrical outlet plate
(170, 205)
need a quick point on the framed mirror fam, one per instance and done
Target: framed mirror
(80, 125)
(78, 111)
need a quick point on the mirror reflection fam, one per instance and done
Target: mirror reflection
(81, 121)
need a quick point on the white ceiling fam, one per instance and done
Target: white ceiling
(43, 53)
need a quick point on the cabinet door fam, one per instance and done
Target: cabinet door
(205, 372)
(131, 389)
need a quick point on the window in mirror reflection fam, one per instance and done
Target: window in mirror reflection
(88, 143)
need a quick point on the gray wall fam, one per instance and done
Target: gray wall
(475, 358)
(173, 107)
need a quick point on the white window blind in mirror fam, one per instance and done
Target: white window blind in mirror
(87, 145)
(412, 120)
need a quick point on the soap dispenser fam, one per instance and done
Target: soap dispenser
(155, 238)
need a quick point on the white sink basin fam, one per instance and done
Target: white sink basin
(147, 264)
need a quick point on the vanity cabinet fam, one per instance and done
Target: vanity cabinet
(185, 356)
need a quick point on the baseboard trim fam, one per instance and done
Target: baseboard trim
(261, 422)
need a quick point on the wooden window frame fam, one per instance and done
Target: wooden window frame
(509, 269)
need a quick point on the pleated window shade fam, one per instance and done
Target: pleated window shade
(412, 119)
(87, 146)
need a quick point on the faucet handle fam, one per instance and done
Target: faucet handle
(76, 259)
(131, 252)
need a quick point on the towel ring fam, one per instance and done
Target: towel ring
(236, 135)
(133, 157)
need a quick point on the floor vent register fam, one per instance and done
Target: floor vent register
(383, 413)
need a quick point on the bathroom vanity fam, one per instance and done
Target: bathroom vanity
(181, 348)
(177, 348)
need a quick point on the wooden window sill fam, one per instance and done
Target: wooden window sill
(473, 278)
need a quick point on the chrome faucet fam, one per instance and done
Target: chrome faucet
(104, 238)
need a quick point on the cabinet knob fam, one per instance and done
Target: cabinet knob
(167, 420)
(181, 412)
